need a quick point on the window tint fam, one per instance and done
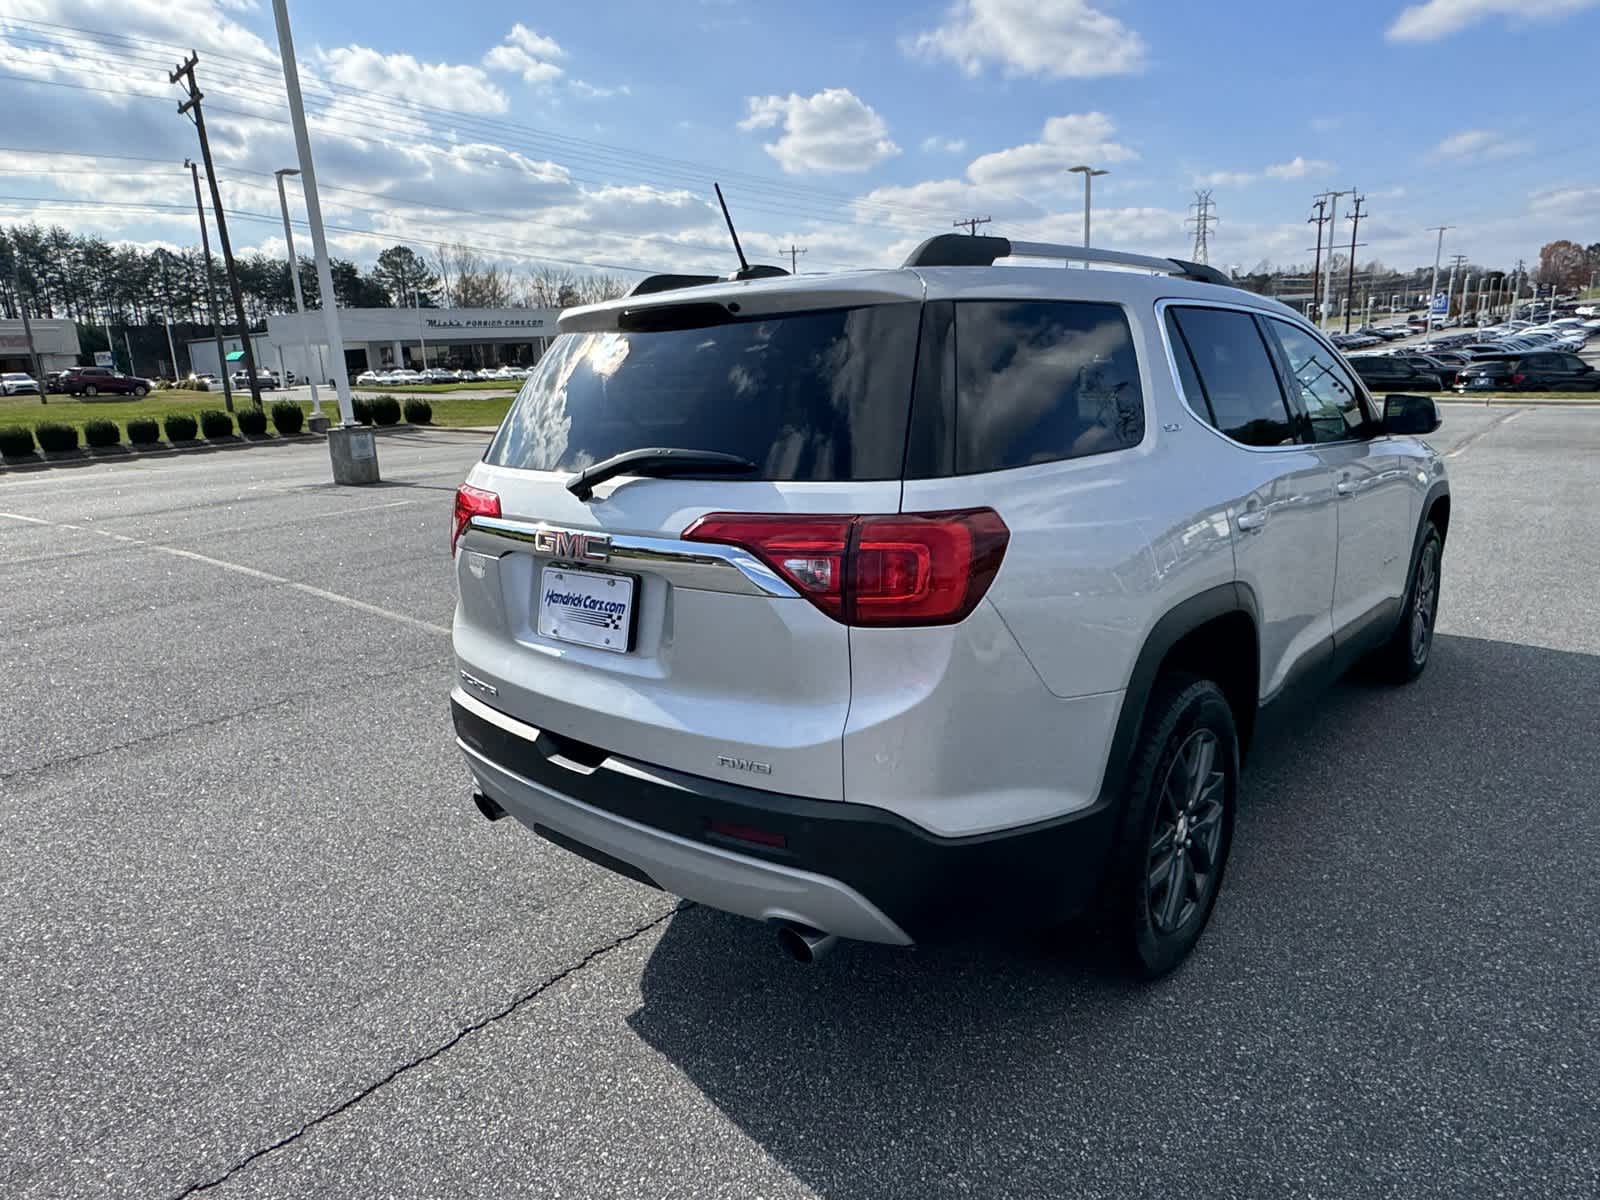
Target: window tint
(1571, 362)
(809, 396)
(1239, 386)
(1039, 381)
(1328, 396)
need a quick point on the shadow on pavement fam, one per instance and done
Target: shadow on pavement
(1395, 997)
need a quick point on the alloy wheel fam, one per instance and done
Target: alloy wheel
(1422, 611)
(1182, 868)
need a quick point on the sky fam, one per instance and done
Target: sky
(588, 135)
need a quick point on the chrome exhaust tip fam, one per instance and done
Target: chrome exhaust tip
(803, 943)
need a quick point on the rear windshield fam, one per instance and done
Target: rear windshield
(806, 396)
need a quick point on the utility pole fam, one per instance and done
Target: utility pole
(318, 421)
(1350, 279)
(352, 450)
(1088, 174)
(1457, 262)
(185, 71)
(128, 342)
(1316, 270)
(27, 330)
(794, 252)
(1433, 288)
(971, 224)
(172, 350)
(1202, 219)
(1333, 224)
(211, 291)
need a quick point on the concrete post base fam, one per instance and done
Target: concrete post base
(318, 424)
(354, 451)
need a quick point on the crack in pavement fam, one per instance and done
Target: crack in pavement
(411, 1064)
(1467, 442)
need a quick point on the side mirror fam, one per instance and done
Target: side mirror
(1414, 415)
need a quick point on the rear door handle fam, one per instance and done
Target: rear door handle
(1252, 521)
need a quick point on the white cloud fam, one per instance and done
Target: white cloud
(939, 145)
(596, 92)
(1225, 179)
(830, 131)
(1436, 19)
(1065, 142)
(1057, 38)
(444, 85)
(1579, 201)
(528, 54)
(1472, 144)
(1298, 167)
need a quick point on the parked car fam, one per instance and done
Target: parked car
(98, 381)
(267, 382)
(1542, 371)
(928, 710)
(484, 373)
(1384, 373)
(17, 383)
(369, 379)
(438, 375)
(203, 382)
(402, 376)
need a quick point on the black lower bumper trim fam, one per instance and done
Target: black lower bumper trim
(930, 886)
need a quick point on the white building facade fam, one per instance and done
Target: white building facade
(55, 340)
(386, 338)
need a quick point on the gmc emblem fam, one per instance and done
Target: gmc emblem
(573, 545)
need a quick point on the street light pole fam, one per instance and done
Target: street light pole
(299, 298)
(1088, 174)
(352, 449)
(1433, 288)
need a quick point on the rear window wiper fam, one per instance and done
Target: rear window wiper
(657, 460)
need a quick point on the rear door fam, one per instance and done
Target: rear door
(1371, 479)
(1286, 542)
(597, 620)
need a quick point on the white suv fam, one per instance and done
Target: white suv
(892, 604)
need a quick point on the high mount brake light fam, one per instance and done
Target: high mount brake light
(893, 570)
(471, 502)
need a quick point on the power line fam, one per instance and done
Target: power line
(1316, 270)
(794, 252)
(1350, 282)
(971, 224)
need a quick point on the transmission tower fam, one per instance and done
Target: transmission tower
(1202, 220)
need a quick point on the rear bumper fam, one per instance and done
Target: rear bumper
(849, 869)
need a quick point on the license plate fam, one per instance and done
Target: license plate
(587, 607)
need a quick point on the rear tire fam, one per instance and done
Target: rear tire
(139, 393)
(1177, 825)
(91, 391)
(1405, 655)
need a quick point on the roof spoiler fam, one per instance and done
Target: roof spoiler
(670, 283)
(964, 250)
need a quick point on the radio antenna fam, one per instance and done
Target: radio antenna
(733, 233)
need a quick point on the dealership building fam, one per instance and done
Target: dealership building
(56, 341)
(378, 339)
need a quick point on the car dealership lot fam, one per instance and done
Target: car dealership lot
(254, 932)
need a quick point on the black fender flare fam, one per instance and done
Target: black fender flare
(1179, 621)
(1439, 489)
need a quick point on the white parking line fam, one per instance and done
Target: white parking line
(240, 569)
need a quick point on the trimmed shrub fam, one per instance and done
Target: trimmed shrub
(253, 420)
(215, 423)
(180, 427)
(386, 410)
(16, 441)
(102, 433)
(54, 436)
(418, 412)
(288, 418)
(144, 431)
(361, 409)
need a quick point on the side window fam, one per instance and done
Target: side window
(1328, 395)
(1571, 362)
(1039, 381)
(1238, 384)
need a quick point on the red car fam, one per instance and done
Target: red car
(98, 381)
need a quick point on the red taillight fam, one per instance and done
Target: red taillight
(471, 502)
(902, 569)
(1518, 377)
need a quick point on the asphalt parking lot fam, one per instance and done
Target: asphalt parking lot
(255, 940)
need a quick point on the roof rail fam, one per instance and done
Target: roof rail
(964, 250)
